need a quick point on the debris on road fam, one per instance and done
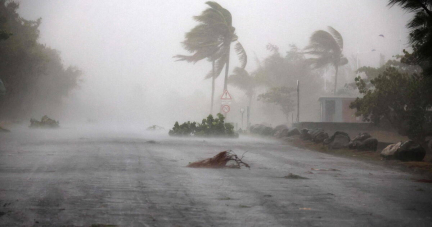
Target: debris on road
(293, 176)
(220, 161)
(155, 128)
(45, 122)
(4, 130)
(325, 169)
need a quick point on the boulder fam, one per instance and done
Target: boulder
(293, 132)
(329, 140)
(407, 151)
(304, 134)
(338, 140)
(410, 151)
(256, 129)
(266, 131)
(320, 137)
(279, 128)
(282, 133)
(390, 151)
(357, 141)
(315, 132)
(369, 144)
(362, 136)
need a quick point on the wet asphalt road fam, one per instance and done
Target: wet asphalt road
(125, 177)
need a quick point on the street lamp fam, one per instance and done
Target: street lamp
(242, 112)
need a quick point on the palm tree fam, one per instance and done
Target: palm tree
(212, 39)
(327, 47)
(244, 81)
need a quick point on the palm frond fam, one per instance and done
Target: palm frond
(337, 36)
(323, 40)
(241, 53)
(226, 14)
(411, 5)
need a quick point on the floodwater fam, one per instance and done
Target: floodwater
(131, 177)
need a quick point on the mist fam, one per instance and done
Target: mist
(126, 49)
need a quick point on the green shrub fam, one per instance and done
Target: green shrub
(209, 127)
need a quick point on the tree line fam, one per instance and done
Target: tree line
(33, 75)
(399, 92)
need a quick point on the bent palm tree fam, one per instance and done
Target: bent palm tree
(245, 82)
(327, 47)
(212, 39)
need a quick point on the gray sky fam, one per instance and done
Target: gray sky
(125, 47)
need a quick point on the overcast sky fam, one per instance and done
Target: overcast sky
(125, 48)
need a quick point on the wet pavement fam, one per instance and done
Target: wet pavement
(129, 177)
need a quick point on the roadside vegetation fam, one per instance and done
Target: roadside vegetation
(209, 127)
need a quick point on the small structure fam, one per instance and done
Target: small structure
(336, 109)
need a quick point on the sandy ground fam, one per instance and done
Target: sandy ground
(118, 176)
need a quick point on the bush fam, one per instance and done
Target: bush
(209, 127)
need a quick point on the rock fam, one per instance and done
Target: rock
(256, 129)
(338, 140)
(320, 137)
(369, 144)
(315, 132)
(329, 140)
(282, 133)
(279, 128)
(410, 151)
(362, 136)
(293, 132)
(390, 151)
(364, 142)
(304, 134)
(266, 131)
(357, 141)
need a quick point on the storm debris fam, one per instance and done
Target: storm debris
(293, 176)
(325, 169)
(45, 122)
(4, 130)
(220, 161)
(155, 128)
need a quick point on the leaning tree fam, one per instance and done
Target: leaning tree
(211, 39)
(327, 48)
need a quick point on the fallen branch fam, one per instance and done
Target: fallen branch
(220, 161)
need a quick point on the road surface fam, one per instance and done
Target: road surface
(129, 177)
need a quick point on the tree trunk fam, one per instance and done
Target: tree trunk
(336, 75)
(227, 68)
(213, 88)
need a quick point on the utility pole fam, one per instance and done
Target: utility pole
(242, 112)
(298, 101)
(248, 118)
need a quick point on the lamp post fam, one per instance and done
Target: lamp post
(242, 112)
